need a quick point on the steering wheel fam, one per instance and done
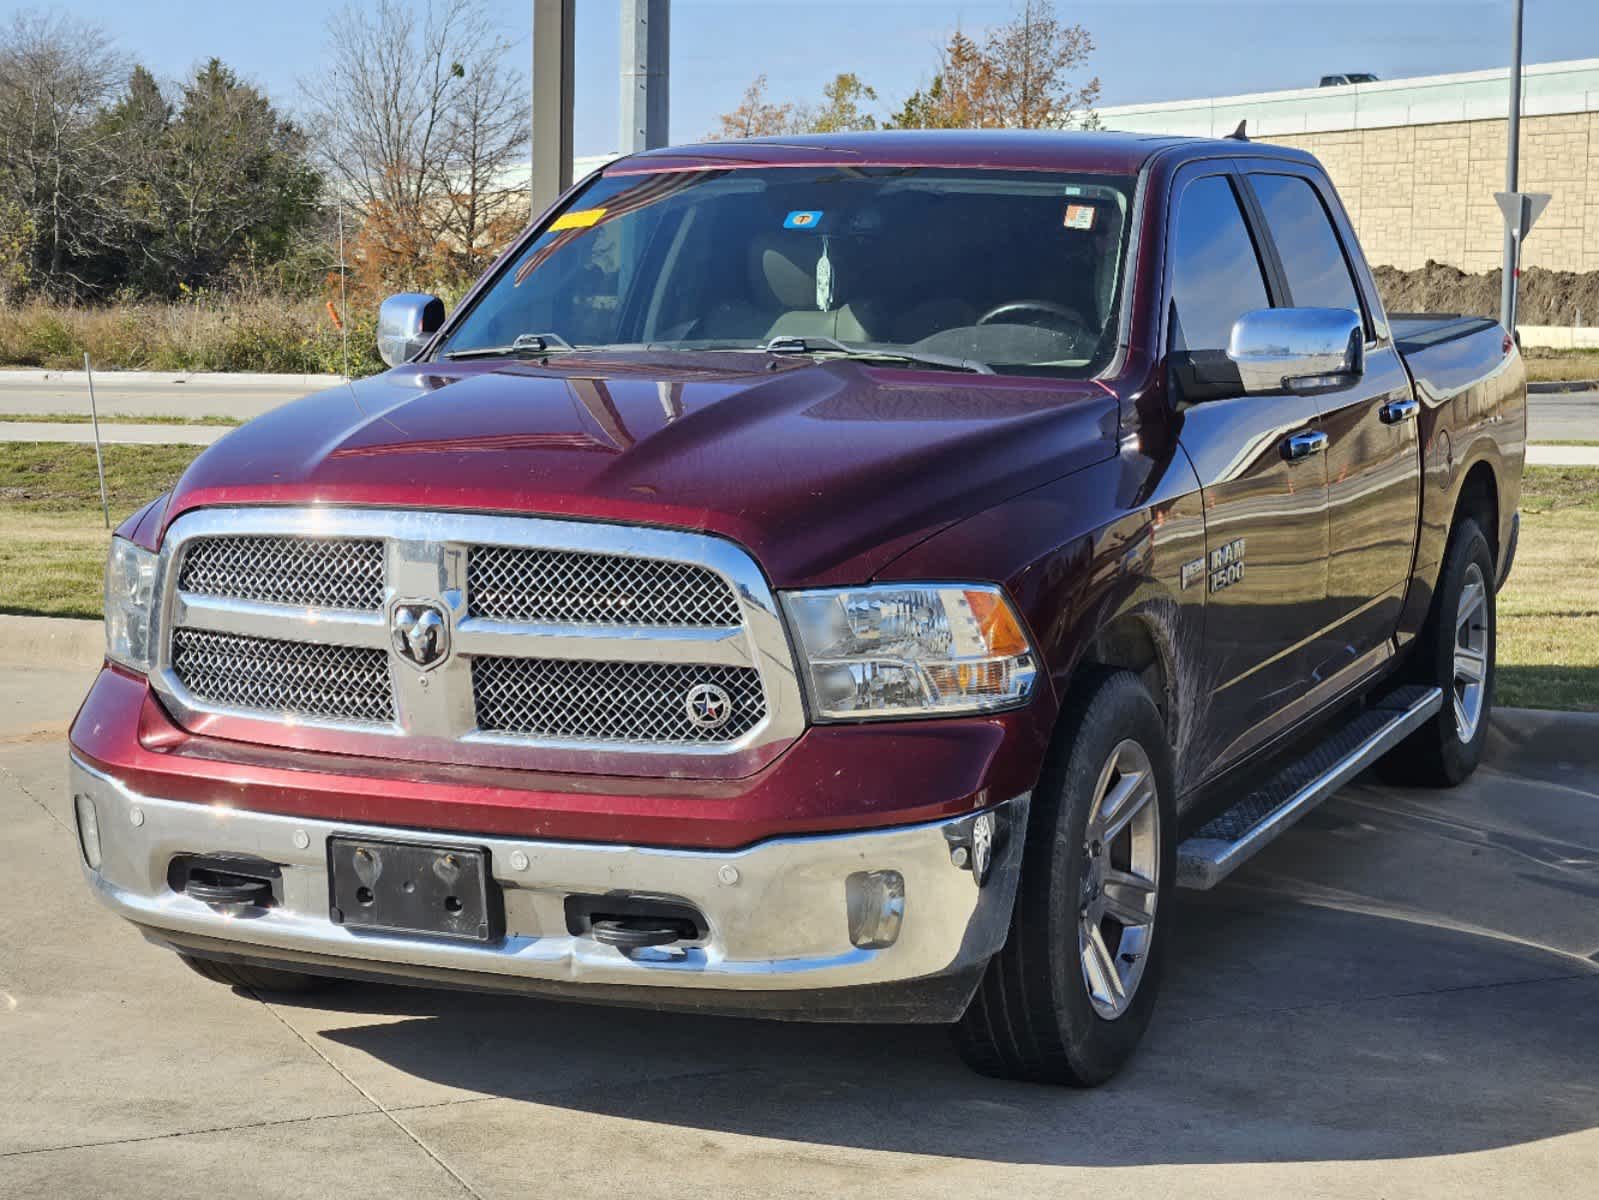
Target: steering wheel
(1042, 306)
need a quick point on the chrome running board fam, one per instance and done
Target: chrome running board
(1226, 842)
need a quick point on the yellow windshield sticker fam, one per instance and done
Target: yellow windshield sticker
(579, 219)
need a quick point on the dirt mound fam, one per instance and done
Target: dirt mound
(1547, 297)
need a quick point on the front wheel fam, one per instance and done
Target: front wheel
(1069, 996)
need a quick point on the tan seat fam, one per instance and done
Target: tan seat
(783, 266)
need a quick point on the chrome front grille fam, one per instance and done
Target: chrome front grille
(549, 644)
(509, 583)
(610, 701)
(340, 683)
(325, 572)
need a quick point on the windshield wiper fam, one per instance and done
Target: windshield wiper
(794, 344)
(527, 343)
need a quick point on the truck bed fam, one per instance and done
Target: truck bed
(1414, 332)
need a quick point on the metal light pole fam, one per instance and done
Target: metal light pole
(646, 49)
(1508, 281)
(553, 63)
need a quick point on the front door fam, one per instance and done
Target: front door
(1264, 484)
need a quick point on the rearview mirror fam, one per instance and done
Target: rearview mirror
(1297, 349)
(406, 323)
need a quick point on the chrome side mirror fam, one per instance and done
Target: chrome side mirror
(1297, 349)
(406, 323)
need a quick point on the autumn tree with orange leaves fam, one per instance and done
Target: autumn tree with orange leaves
(1020, 75)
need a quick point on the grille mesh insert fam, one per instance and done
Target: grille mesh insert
(609, 701)
(507, 583)
(341, 683)
(323, 572)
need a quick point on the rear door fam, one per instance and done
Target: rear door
(1264, 576)
(1373, 460)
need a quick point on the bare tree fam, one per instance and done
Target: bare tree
(56, 74)
(755, 116)
(415, 121)
(488, 129)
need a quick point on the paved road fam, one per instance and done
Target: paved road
(1401, 998)
(112, 433)
(21, 393)
(1570, 417)
(1566, 417)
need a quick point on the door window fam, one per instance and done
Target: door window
(1216, 275)
(1312, 258)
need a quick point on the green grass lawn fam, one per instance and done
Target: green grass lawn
(1558, 366)
(53, 544)
(1549, 610)
(52, 534)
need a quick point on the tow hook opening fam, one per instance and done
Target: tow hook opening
(630, 922)
(229, 882)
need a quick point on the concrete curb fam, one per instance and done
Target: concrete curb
(1562, 456)
(1561, 387)
(209, 379)
(62, 642)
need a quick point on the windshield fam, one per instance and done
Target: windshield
(1017, 271)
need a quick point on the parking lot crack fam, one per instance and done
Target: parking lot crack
(242, 1127)
(10, 776)
(377, 1104)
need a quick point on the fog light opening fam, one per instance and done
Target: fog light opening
(88, 829)
(876, 904)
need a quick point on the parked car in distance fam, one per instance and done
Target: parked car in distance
(852, 577)
(1351, 77)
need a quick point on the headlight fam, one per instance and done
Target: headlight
(130, 605)
(906, 651)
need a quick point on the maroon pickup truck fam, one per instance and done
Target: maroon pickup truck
(846, 578)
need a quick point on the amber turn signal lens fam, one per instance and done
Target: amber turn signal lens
(997, 623)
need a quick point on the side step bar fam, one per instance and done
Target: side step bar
(1231, 839)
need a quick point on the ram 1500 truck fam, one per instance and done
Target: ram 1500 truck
(842, 578)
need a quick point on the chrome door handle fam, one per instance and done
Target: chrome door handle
(1303, 445)
(1399, 410)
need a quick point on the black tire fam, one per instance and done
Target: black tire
(1436, 755)
(1032, 1017)
(256, 979)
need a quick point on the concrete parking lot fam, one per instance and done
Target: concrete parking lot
(1400, 998)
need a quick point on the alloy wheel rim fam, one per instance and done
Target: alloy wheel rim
(1470, 683)
(1121, 880)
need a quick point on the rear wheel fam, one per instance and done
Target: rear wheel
(1455, 651)
(1069, 996)
(256, 979)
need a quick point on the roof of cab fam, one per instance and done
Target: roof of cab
(996, 149)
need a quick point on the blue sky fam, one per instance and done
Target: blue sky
(1147, 49)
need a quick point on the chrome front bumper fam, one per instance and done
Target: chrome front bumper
(775, 912)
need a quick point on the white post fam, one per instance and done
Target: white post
(99, 458)
(344, 307)
(1512, 265)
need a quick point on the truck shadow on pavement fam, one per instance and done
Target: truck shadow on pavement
(1403, 975)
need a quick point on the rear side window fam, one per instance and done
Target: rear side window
(1312, 258)
(1216, 275)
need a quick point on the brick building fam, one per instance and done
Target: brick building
(1417, 161)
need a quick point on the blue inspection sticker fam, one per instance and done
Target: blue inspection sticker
(803, 219)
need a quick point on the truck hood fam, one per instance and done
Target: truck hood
(824, 470)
